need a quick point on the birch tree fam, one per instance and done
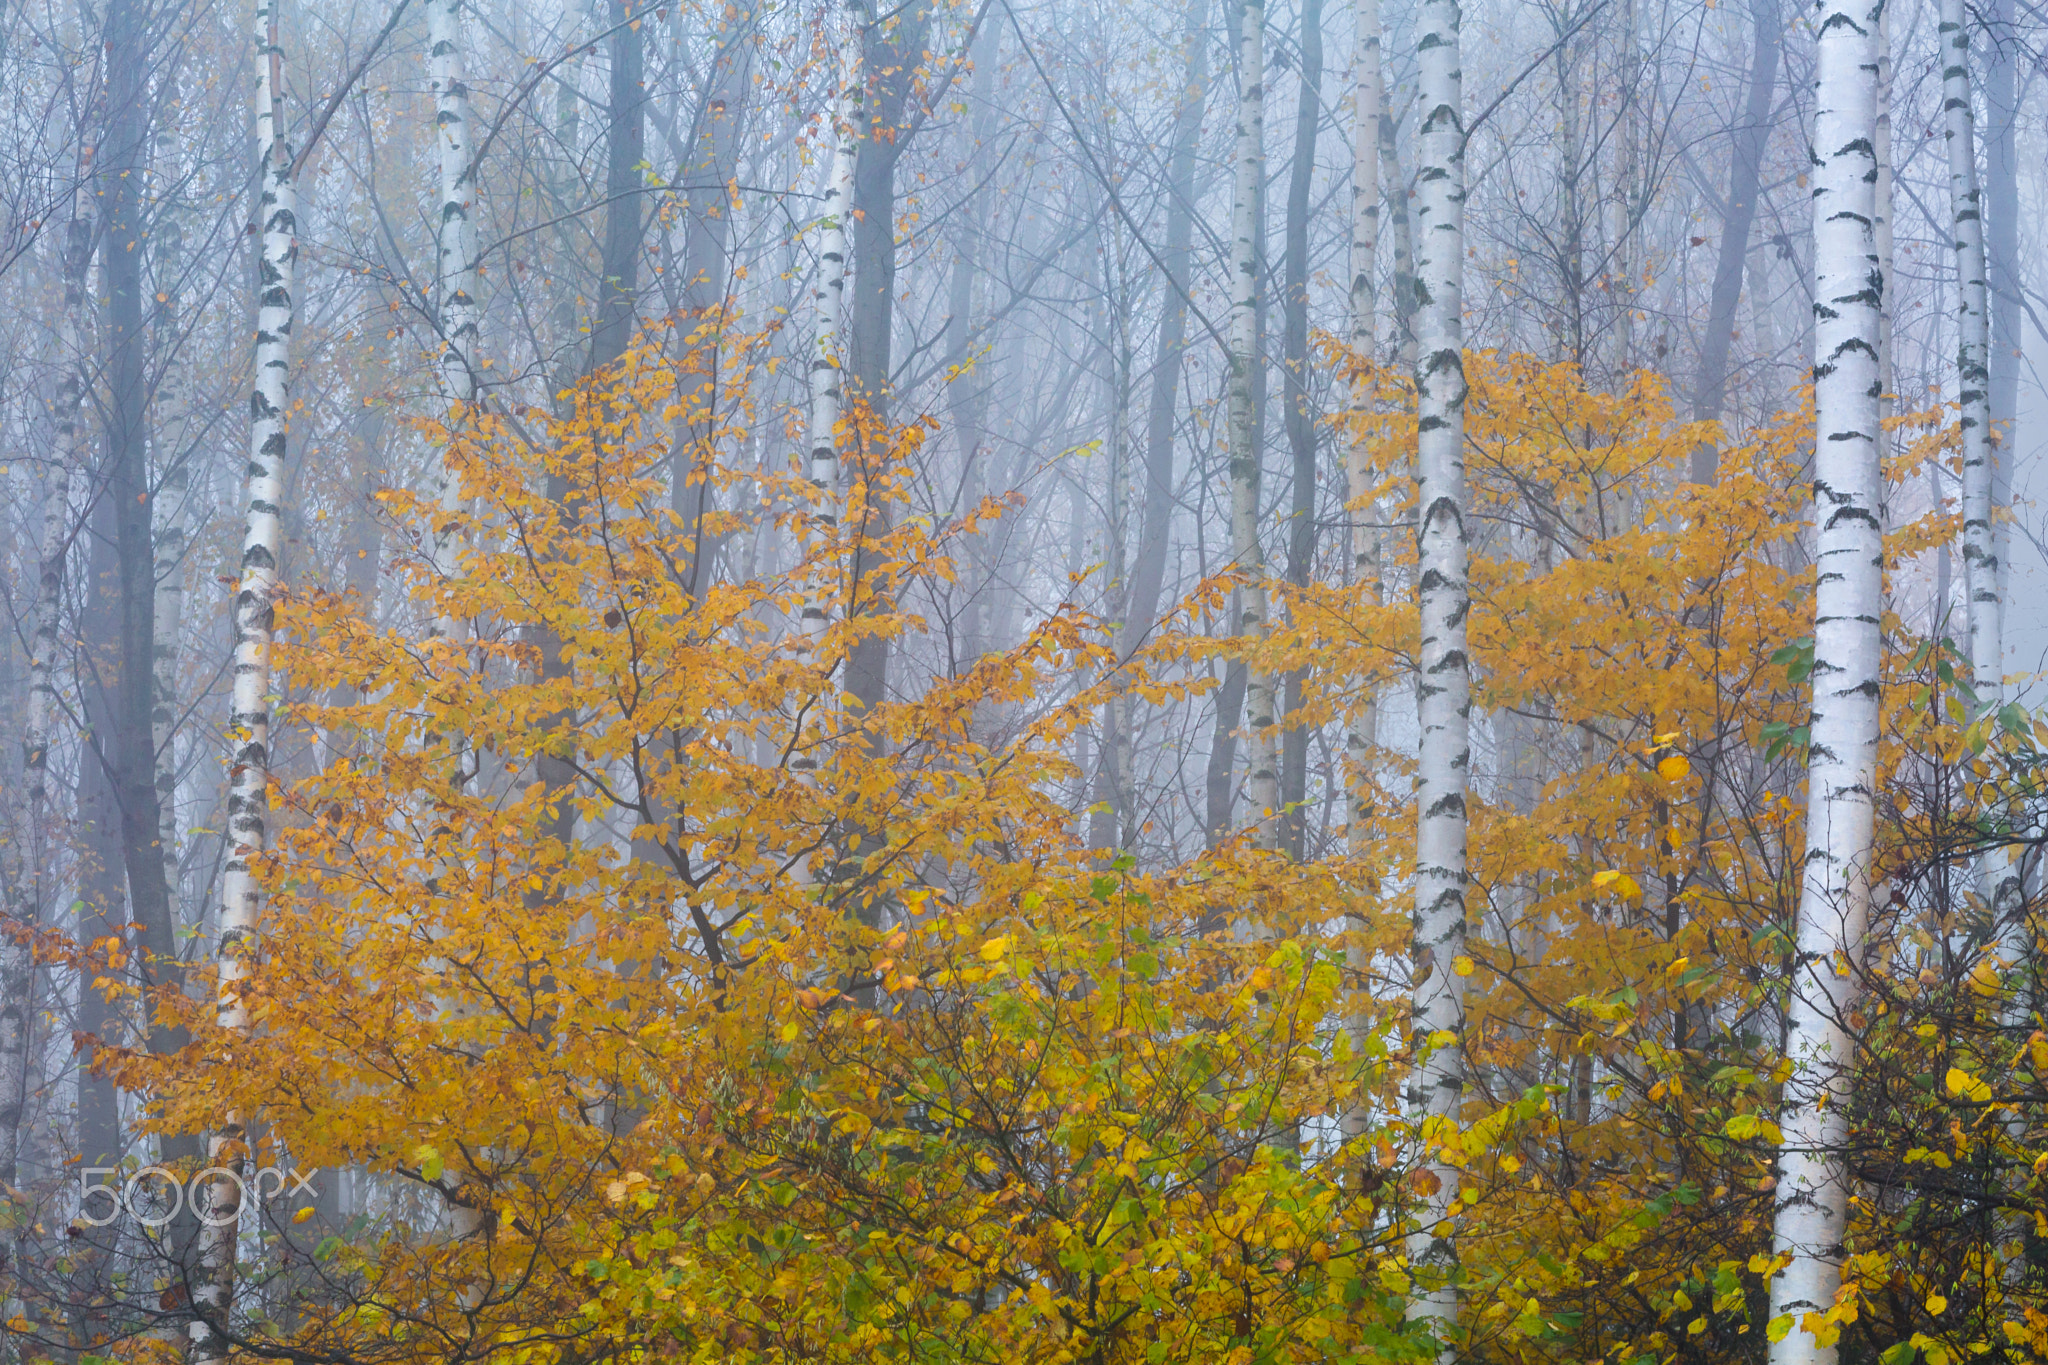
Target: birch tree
(1973, 346)
(1365, 238)
(1834, 902)
(828, 303)
(1982, 586)
(254, 614)
(1443, 683)
(455, 253)
(17, 977)
(1301, 424)
(1263, 780)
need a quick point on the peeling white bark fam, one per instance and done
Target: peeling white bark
(17, 972)
(1365, 238)
(1814, 1184)
(1443, 682)
(254, 611)
(455, 260)
(1262, 786)
(829, 335)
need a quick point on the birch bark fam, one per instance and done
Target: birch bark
(249, 709)
(1300, 421)
(828, 323)
(455, 255)
(1973, 350)
(173, 432)
(1982, 579)
(455, 244)
(1813, 1182)
(1443, 680)
(17, 975)
(1263, 780)
(1365, 239)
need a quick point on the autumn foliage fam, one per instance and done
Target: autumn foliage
(670, 1004)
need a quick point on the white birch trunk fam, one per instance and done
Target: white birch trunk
(455, 260)
(1882, 224)
(829, 337)
(1973, 352)
(1814, 1184)
(249, 707)
(1365, 538)
(1365, 240)
(1262, 786)
(173, 430)
(1982, 597)
(17, 970)
(455, 246)
(1443, 683)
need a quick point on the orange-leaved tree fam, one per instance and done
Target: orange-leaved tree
(662, 1004)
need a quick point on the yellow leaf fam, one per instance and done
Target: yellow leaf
(1936, 1305)
(1962, 1083)
(303, 1214)
(1462, 965)
(994, 949)
(1674, 767)
(1779, 1327)
(1619, 882)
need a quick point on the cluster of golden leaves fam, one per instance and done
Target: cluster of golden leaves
(678, 1007)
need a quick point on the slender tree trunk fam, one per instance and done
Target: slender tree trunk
(1301, 423)
(707, 178)
(1745, 173)
(1973, 346)
(254, 616)
(1155, 518)
(1881, 226)
(161, 921)
(1443, 681)
(1247, 555)
(172, 434)
(2002, 252)
(891, 54)
(967, 389)
(1396, 183)
(828, 322)
(1983, 585)
(101, 907)
(455, 258)
(101, 888)
(131, 733)
(1365, 239)
(1107, 802)
(2003, 270)
(455, 251)
(624, 178)
(611, 331)
(17, 968)
(1814, 1182)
